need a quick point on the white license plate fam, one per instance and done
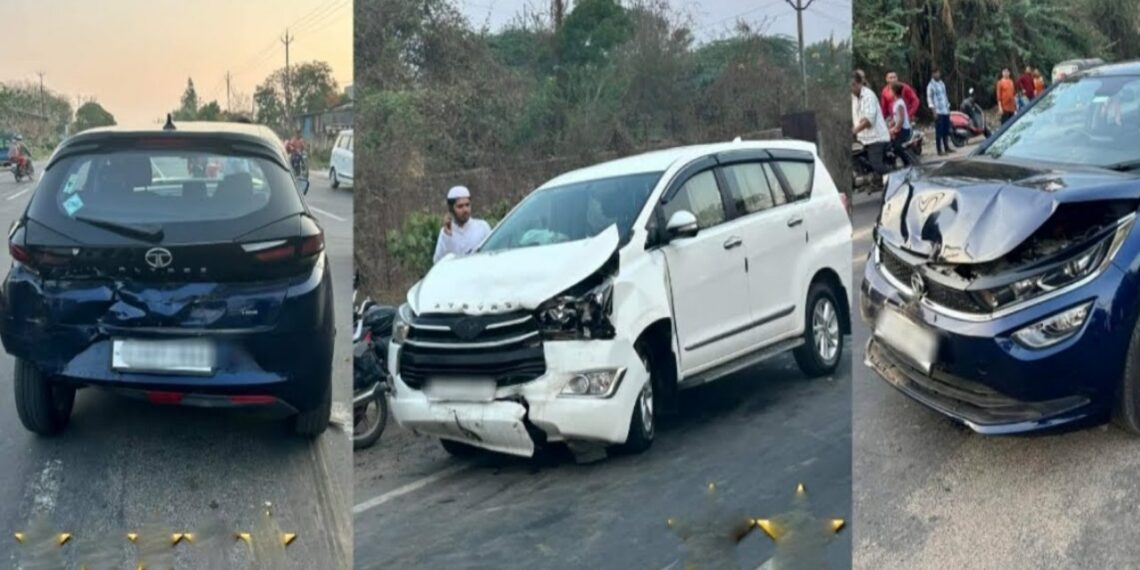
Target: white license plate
(917, 344)
(183, 356)
(460, 389)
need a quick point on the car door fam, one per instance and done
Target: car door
(706, 272)
(773, 241)
(794, 171)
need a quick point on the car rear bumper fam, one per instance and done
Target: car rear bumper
(65, 334)
(523, 417)
(984, 379)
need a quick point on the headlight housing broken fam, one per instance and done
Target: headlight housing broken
(1086, 263)
(584, 317)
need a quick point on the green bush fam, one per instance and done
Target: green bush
(413, 244)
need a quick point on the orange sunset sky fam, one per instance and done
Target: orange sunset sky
(134, 56)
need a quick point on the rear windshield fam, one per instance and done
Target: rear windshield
(167, 188)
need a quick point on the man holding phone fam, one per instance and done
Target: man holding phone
(461, 233)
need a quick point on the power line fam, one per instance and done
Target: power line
(323, 18)
(331, 18)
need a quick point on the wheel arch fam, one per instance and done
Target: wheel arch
(829, 277)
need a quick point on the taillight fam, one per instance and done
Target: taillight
(276, 254)
(19, 253)
(313, 245)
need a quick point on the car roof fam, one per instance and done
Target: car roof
(662, 160)
(238, 132)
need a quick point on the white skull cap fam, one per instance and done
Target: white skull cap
(458, 192)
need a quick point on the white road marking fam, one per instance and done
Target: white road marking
(18, 194)
(413, 486)
(45, 488)
(329, 214)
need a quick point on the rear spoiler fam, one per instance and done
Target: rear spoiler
(222, 143)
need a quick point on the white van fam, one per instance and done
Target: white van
(340, 162)
(611, 288)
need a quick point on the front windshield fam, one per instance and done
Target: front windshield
(574, 212)
(1091, 122)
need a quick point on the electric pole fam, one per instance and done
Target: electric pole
(287, 39)
(228, 107)
(43, 108)
(799, 7)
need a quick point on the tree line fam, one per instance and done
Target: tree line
(971, 41)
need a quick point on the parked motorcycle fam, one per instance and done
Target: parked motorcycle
(372, 326)
(968, 123)
(863, 174)
(28, 172)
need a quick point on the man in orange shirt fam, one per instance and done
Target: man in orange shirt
(1006, 96)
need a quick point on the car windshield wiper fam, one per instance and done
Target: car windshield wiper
(1126, 166)
(151, 233)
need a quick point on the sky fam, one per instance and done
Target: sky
(134, 56)
(712, 18)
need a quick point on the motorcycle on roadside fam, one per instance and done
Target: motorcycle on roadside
(864, 176)
(300, 162)
(372, 329)
(968, 123)
(27, 172)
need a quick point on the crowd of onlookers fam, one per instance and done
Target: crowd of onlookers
(889, 118)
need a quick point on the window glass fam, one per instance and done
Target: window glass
(701, 197)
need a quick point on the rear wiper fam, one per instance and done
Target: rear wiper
(1126, 166)
(148, 233)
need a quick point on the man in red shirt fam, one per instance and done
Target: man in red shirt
(910, 97)
(1026, 84)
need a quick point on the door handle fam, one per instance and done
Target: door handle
(732, 242)
(793, 222)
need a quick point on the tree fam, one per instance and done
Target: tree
(210, 112)
(91, 115)
(312, 86)
(592, 30)
(270, 106)
(189, 109)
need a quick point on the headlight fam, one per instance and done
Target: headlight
(1088, 262)
(1050, 331)
(402, 324)
(573, 318)
(596, 383)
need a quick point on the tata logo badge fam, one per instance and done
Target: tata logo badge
(158, 257)
(917, 284)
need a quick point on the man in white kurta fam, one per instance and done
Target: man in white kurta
(461, 233)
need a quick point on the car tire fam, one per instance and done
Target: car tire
(313, 423)
(44, 406)
(333, 181)
(643, 420)
(822, 349)
(460, 450)
(1126, 411)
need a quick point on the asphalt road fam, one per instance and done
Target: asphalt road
(126, 466)
(756, 435)
(931, 494)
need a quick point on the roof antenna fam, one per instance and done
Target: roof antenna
(169, 126)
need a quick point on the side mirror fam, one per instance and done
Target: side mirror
(682, 224)
(304, 184)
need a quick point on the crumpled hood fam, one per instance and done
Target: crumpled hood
(977, 210)
(504, 281)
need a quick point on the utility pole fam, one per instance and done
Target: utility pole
(43, 107)
(228, 77)
(287, 39)
(800, 7)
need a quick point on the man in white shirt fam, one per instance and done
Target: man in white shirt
(461, 233)
(869, 126)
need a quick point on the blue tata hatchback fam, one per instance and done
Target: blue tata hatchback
(178, 264)
(1003, 290)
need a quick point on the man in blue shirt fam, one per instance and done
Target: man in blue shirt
(939, 103)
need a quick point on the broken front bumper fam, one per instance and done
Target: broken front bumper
(984, 379)
(522, 417)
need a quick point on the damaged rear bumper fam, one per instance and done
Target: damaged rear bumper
(984, 379)
(521, 418)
